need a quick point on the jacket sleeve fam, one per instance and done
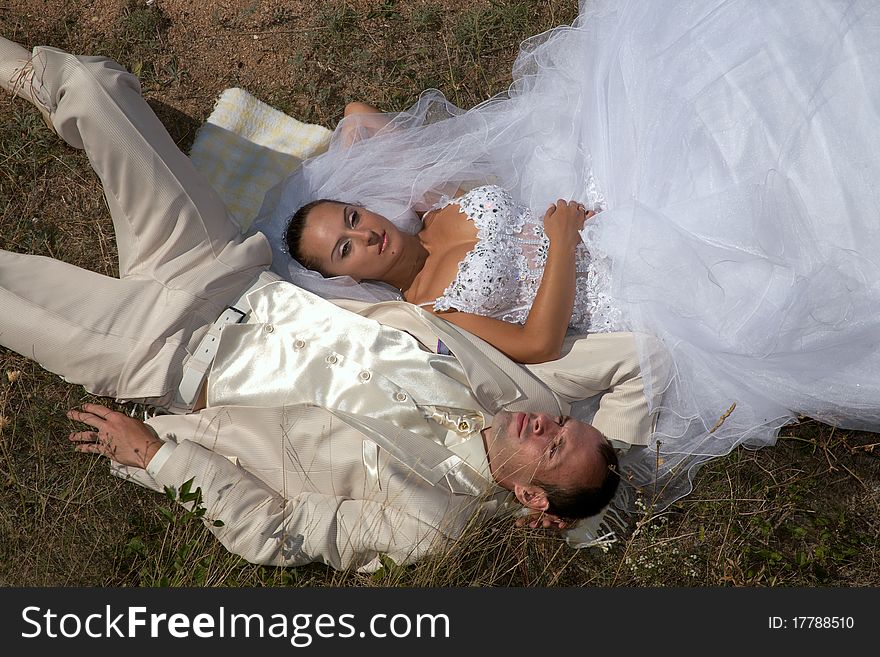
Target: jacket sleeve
(266, 526)
(606, 364)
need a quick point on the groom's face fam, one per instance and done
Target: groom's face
(558, 450)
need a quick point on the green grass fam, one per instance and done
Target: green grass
(804, 513)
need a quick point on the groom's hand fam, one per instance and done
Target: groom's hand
(115, 435)
(537, 519)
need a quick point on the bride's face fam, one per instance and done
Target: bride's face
(348, 240)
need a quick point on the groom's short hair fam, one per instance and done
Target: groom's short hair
(573, 502)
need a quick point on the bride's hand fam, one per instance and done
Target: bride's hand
(563, 221)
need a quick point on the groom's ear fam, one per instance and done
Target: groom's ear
(531, 497)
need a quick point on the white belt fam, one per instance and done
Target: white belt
(196, 366)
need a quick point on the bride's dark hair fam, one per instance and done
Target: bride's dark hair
(293, 235)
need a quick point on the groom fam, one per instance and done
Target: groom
(316, 432)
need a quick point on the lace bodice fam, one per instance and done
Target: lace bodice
(500, 277)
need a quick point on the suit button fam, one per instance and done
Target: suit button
(364, 376)
(400, 396)
(268, 328)
(299, 344)
(332, 359)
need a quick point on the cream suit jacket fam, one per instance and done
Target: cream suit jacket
(290, 479)
(605, 364)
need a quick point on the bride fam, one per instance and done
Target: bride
(480, 261)
(729, 152)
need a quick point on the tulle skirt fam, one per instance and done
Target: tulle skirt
(737, 145)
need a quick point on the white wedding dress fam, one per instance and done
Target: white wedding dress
(737, 148)
(500, 276)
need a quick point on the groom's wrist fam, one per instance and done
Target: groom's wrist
(158, 458)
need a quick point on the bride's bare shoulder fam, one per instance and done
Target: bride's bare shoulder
(446, 218)
(439, 272)
(448, 237)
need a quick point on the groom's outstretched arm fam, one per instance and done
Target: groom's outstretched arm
(256, 520)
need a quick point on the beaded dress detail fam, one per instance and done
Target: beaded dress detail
(500, 277)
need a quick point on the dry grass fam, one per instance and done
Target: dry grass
(804, 513)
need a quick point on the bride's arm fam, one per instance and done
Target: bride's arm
(356, 107)
(540, 338)
(360, 121)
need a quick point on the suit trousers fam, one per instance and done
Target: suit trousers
(181, 258)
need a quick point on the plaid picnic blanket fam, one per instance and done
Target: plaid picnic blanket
(246, 147)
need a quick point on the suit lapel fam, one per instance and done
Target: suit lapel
(430, 460)
(497, 381)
